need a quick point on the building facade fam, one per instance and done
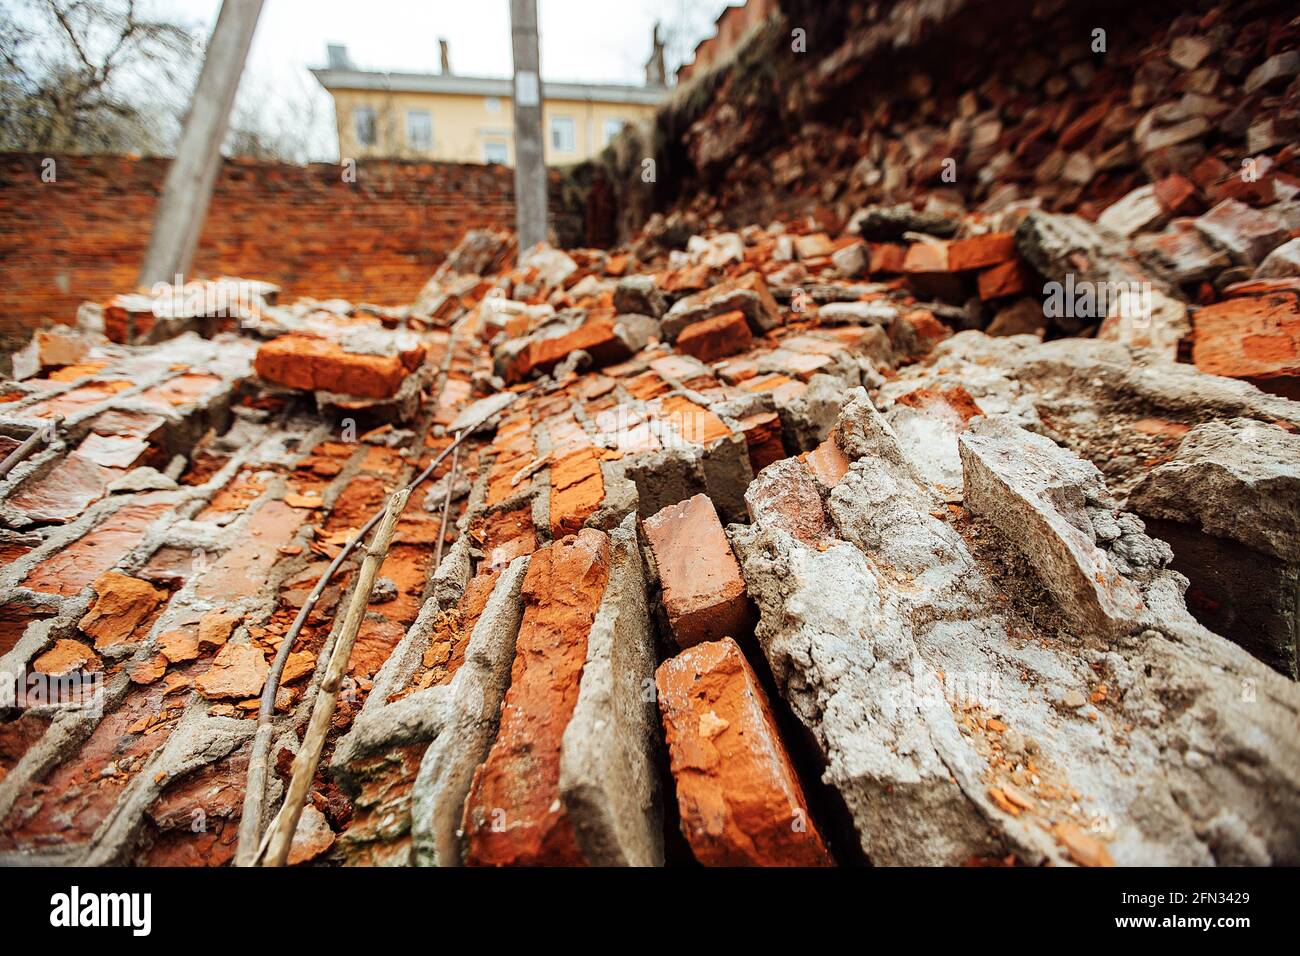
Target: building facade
(469, 119)
(731, 27)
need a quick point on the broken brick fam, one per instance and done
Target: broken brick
(739, 796)
(514, 815)
(702, 591)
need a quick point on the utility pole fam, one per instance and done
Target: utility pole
(530, 166)
(183, 205)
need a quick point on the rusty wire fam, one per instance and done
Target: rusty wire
(446, 508)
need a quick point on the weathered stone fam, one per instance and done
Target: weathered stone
(640, 294)
(1282, 262)
(312, 837)
(878, 312)
(1275, 68)
(785, 496)
(747, 294)
(889, 223)
(841, 661)
(739, 796)
(1023, 317)
(608, 757)
(851, 261)
(1139, 210)
(1248, 235)
(1229, 504)
(1028, 489)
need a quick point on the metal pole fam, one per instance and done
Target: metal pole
(183, 205)
(530, 164)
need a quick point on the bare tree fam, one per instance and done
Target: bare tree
(91, 76)
(280, 121)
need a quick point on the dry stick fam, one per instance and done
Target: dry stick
(255, 790)
(305, 763)
(248, 851)
(446, 507)
(24, 451)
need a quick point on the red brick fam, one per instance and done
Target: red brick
(1177, 195)
(312, 364)
(296, 225)
(980, 252)
(827, 463)
(703, 592)
(514, 815)
(762, 432)
(926, 257)
(1256, 338)
(595, 337)
(739, 796)
(1006, 279)
(717, 337)
(886, 257)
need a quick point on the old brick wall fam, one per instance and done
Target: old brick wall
(378, 239)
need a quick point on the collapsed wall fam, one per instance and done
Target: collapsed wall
(823, 541)
(829, 107)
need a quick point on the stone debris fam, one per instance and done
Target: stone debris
(857, 513)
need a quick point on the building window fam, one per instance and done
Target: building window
(419, 130)
(611, 129)
(495, 152)
(363, 120)
(562, 134)
(492, 104)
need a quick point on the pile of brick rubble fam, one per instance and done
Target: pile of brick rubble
(764, 555)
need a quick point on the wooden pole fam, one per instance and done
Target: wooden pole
(530, 162)
(308, 758)
(183, 205)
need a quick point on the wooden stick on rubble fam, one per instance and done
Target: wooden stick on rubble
(305, 763)
(250, 844)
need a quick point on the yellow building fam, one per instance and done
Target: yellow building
(469, 119)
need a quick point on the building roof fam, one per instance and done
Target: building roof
(334, 79)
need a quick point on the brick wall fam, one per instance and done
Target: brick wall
(378, 239)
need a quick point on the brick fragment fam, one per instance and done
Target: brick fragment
(762, 432)
(981, 252)
(703, 593)
(715, 338)
(122, 603)
(740, 799)
(926, 257)
(598, 337)
(514, 814)
(1005, 279)
(316, 364)
(1256, 338)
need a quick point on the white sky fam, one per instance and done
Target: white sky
(587, 40)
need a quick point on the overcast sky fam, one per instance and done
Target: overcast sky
(588, 40)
